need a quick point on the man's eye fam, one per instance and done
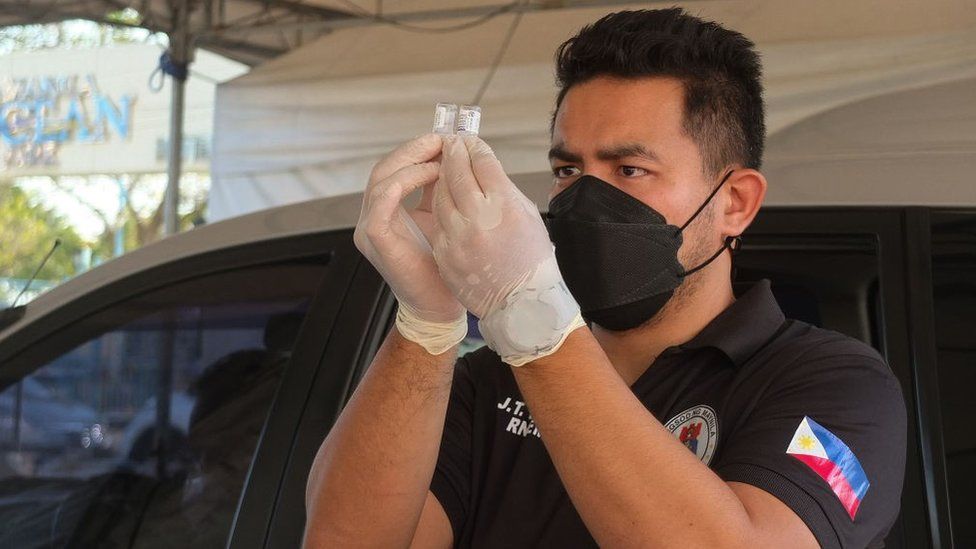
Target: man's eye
(632, 171)
(565, 171)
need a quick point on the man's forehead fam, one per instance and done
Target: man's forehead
(614, 115)
(623, 99)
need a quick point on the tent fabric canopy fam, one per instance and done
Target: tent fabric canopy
(312, 123)
(221, 26)
(256, 31)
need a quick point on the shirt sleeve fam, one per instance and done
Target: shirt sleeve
(828, 438)
(451, 484)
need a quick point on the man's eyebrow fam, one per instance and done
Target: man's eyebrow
(559, 153)
(626, 150)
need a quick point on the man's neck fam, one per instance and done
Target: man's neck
(631, 352)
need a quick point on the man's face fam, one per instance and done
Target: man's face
(628, 132)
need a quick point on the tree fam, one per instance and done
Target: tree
(140, 216)
(28, 228)
(27, 232)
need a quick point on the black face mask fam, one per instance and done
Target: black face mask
(618, 256)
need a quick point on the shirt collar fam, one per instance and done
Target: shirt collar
(743, 327)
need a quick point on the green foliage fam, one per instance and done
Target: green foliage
(27, 232)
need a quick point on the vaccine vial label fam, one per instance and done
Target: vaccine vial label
(445, 115)
(469, 120)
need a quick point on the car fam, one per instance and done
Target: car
(263, 324)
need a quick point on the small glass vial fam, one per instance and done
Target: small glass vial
(445, 115)
(468, 120)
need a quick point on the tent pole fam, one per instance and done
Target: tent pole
(175, 166)
(180, 55)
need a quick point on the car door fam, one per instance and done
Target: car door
(170, 390)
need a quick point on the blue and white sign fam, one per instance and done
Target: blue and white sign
(38, 114)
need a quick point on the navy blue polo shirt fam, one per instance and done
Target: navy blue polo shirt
(811, 416)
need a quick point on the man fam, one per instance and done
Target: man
(681, 416)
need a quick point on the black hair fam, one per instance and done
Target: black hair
(720, 70)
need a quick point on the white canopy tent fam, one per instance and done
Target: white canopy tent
(858, 94)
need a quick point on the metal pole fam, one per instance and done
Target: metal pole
(171, 216)
(179, 48)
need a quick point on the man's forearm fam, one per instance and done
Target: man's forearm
(633, 483)
(371, 476)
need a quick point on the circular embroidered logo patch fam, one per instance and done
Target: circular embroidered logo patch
(696, 428)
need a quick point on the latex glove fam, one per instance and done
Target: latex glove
(493, 251)
(396, 242)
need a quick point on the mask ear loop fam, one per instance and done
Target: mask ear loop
(705, 203)
(731, 243)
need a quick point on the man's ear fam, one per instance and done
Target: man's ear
(745, 191)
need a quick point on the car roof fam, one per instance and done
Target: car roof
(313, 216)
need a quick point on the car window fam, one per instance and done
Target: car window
(139, 427)
(954, 292)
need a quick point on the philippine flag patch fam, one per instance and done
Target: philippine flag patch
(830, 458)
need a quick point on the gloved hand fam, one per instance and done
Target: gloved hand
(493, 251)
(396, 243)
